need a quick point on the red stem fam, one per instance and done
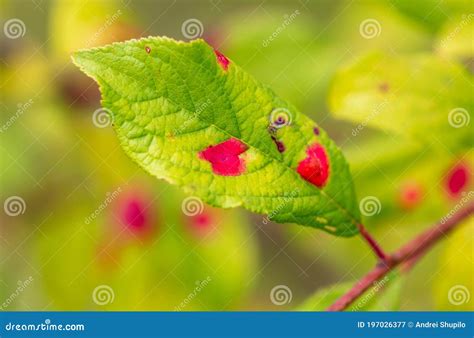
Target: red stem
(373, 243)
(413, 250)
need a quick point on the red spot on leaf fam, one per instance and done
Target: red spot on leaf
(148, 49)
(315, 167)
(411, 194)
(222, 60)
(224, 157)
(457, 179)
(316, 131)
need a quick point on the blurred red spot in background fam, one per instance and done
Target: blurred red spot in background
(202, 223)
(136, 214)
(384, 87)
(411, 194)
(457, 179)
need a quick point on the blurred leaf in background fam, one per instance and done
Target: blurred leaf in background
(149, 252)
(422, 97)
(297, 51)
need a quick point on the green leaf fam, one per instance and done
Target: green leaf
(171, 101)
(424, 97)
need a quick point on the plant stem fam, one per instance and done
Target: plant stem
(410, 253)
(373, 243)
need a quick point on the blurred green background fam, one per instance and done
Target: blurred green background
(83, 228)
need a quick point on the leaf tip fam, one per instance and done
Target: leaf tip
(80, 59)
